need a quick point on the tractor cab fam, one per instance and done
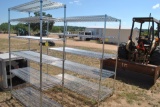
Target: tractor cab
(148, 30)
(147, 41)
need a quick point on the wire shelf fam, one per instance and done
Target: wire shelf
(84, 53)
(31, 97)
(31, 76)
(85, 70)
(34, 6)
(35, 19)
(84, 87)
(97, 18)
(35, 38)
(35, 56)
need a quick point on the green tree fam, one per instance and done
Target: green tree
(4, 27)
(56, 29)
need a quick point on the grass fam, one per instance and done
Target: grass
(130, 97)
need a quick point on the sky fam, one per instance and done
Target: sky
(121, 9)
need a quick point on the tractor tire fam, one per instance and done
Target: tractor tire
(51, 43)
(122, 52)
(155, 56)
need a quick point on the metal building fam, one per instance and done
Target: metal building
(111, 34)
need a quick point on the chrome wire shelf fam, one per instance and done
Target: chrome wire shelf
(31, 76)
(35, 38)
(97, 18)
(85, 70)
(35, 56)
(34, 6)
(36, 19)
(84, 52)
(31, 98)
(33, 19)
(84, 87)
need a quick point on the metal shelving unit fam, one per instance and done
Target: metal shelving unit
(34, 77)
(93, 72)
(29, 96)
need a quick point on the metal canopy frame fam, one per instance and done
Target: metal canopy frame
(34, 6)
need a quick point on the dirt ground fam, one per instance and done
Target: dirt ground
(76, 42)
(91, 44)
(128, 92)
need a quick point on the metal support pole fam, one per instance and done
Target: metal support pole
(47, 44)
(29, 33)
(41, 2)
(140, 31)
(130, 38)
(66, 30)
(64, 54)
(152, 30)
(117, 56)
(149, 24)
(9, 32)
(66, 27)
(101, 64)
(47, 41)
(29, 47)
(47, 28)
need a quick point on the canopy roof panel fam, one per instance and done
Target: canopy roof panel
(34, 6)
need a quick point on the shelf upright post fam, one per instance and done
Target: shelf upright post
(64, 54)
(117, 55)
(29, 33)
(29, 47)
(101, 64)
(41, 2)
(47, 44)
(9, 32)
(47, 35)
(47, 28)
